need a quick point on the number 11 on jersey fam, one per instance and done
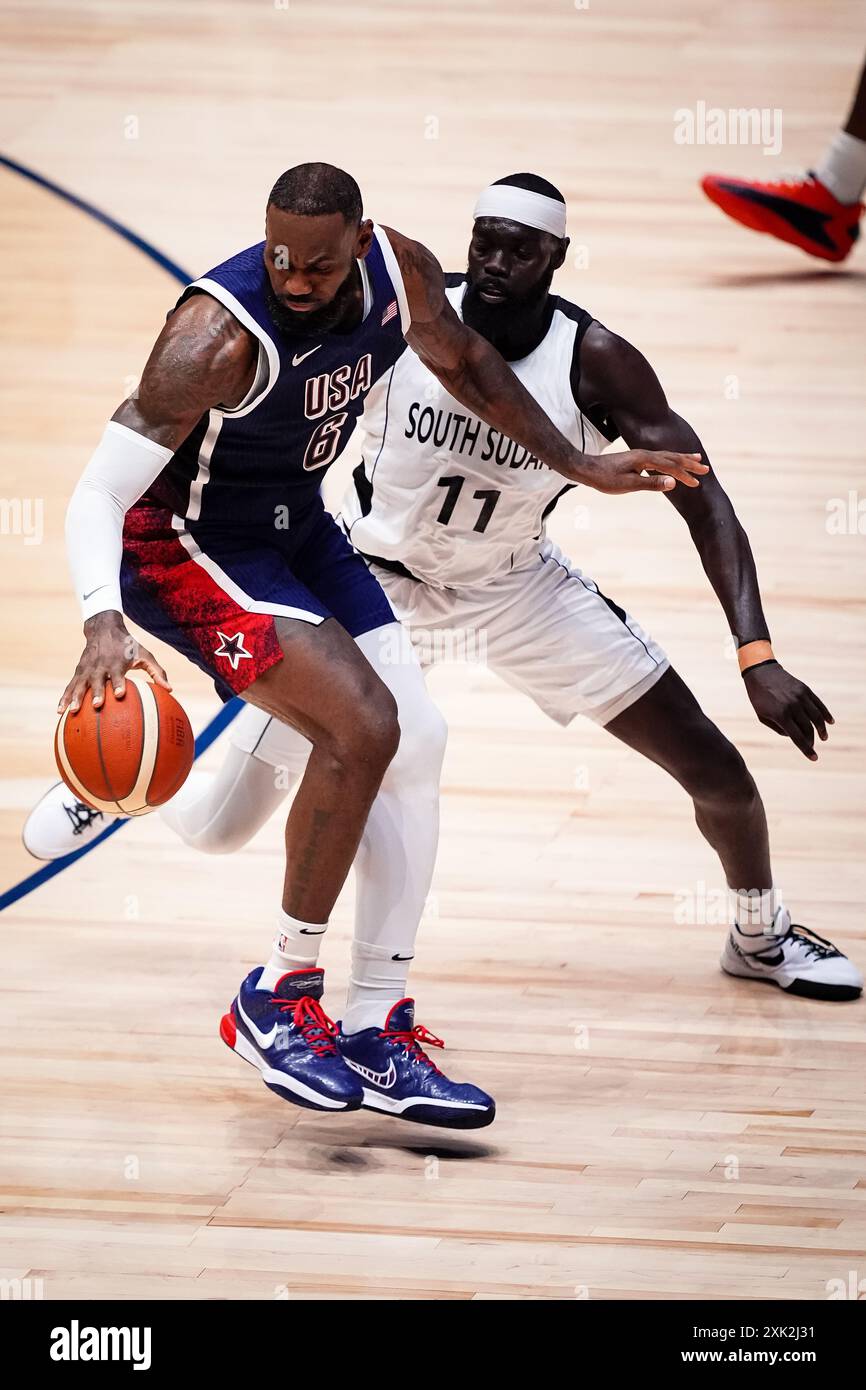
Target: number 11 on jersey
(454, 484)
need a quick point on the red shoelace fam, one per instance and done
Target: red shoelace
(308, 1015)
(412, 1041)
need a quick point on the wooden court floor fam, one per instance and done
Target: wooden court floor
(663, 1131)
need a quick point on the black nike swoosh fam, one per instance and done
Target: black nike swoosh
(402, 957)
(808, 222)
(305, 932)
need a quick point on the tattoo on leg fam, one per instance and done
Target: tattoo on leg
(304, 866)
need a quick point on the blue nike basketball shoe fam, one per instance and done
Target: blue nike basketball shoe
(399, 1078)
(286, 1033)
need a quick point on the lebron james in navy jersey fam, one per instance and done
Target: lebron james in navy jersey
(199, 517)
(238, 506)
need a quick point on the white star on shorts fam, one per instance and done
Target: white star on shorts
(232, 647)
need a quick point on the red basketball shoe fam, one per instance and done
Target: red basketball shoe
(801, 211)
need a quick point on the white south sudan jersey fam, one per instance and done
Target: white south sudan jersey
(443, 495)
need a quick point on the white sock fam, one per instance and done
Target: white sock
(378, 981)
(843, 167)
(760, 918)
(296, 947)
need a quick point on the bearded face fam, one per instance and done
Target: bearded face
(499, 318)
(316, 322)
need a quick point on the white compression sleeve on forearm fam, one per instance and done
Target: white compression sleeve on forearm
(123, 467)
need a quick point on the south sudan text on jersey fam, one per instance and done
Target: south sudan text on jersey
(442, 494)
(465, 434)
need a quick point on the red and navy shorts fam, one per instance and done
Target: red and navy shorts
(213, 594)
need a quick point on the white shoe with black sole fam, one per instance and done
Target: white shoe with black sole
(59, 823)
(800, 962)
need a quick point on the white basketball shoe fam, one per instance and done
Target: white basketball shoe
(797, 960)
(59, 823)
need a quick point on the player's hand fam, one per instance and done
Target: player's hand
(110, 652)
(788, 706)
(625, 472)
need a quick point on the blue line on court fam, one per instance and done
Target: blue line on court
(126, 232)
(20, 890)
(228, 711)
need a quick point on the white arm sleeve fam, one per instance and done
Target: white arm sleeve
(123, 467)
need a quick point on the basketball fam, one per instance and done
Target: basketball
(131, 755)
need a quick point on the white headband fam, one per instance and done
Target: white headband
(521, 205)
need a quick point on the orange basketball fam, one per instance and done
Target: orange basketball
(129, 756)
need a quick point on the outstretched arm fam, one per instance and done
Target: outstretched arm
(614, 376)
(477, 376)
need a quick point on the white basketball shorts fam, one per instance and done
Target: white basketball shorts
(544, 627)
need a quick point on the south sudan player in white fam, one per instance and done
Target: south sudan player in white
(450, 515)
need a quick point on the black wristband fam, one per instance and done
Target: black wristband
(771, 661)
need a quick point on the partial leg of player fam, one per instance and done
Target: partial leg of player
(378, 1039)
(326, 690)
(668, 726)
(819, 212)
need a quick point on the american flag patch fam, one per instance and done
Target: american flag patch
(390, 313)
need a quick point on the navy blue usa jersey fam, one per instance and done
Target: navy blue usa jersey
(263, 461)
